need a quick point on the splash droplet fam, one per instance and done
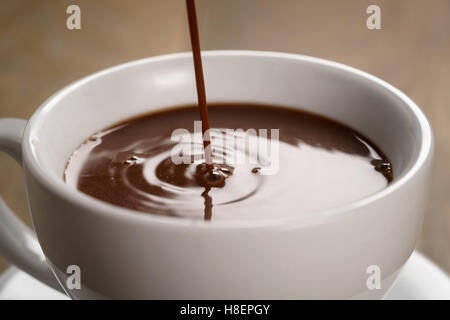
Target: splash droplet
(384, 167)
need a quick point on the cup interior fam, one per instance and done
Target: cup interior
(352, 97)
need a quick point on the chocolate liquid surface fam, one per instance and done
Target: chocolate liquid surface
(321, 164)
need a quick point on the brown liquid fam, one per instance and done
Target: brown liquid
(213, 176)
(322, 164)
(199, 80)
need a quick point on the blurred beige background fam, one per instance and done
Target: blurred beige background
(38, 56)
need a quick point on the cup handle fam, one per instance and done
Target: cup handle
(18, 243)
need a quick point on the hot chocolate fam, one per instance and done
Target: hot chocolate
(321, 164)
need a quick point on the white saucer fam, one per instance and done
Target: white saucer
(420, 279)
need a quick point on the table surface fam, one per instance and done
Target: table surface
(39, 55)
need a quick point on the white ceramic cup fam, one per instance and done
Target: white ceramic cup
(126, 254)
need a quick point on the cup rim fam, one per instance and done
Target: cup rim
(84, 201)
